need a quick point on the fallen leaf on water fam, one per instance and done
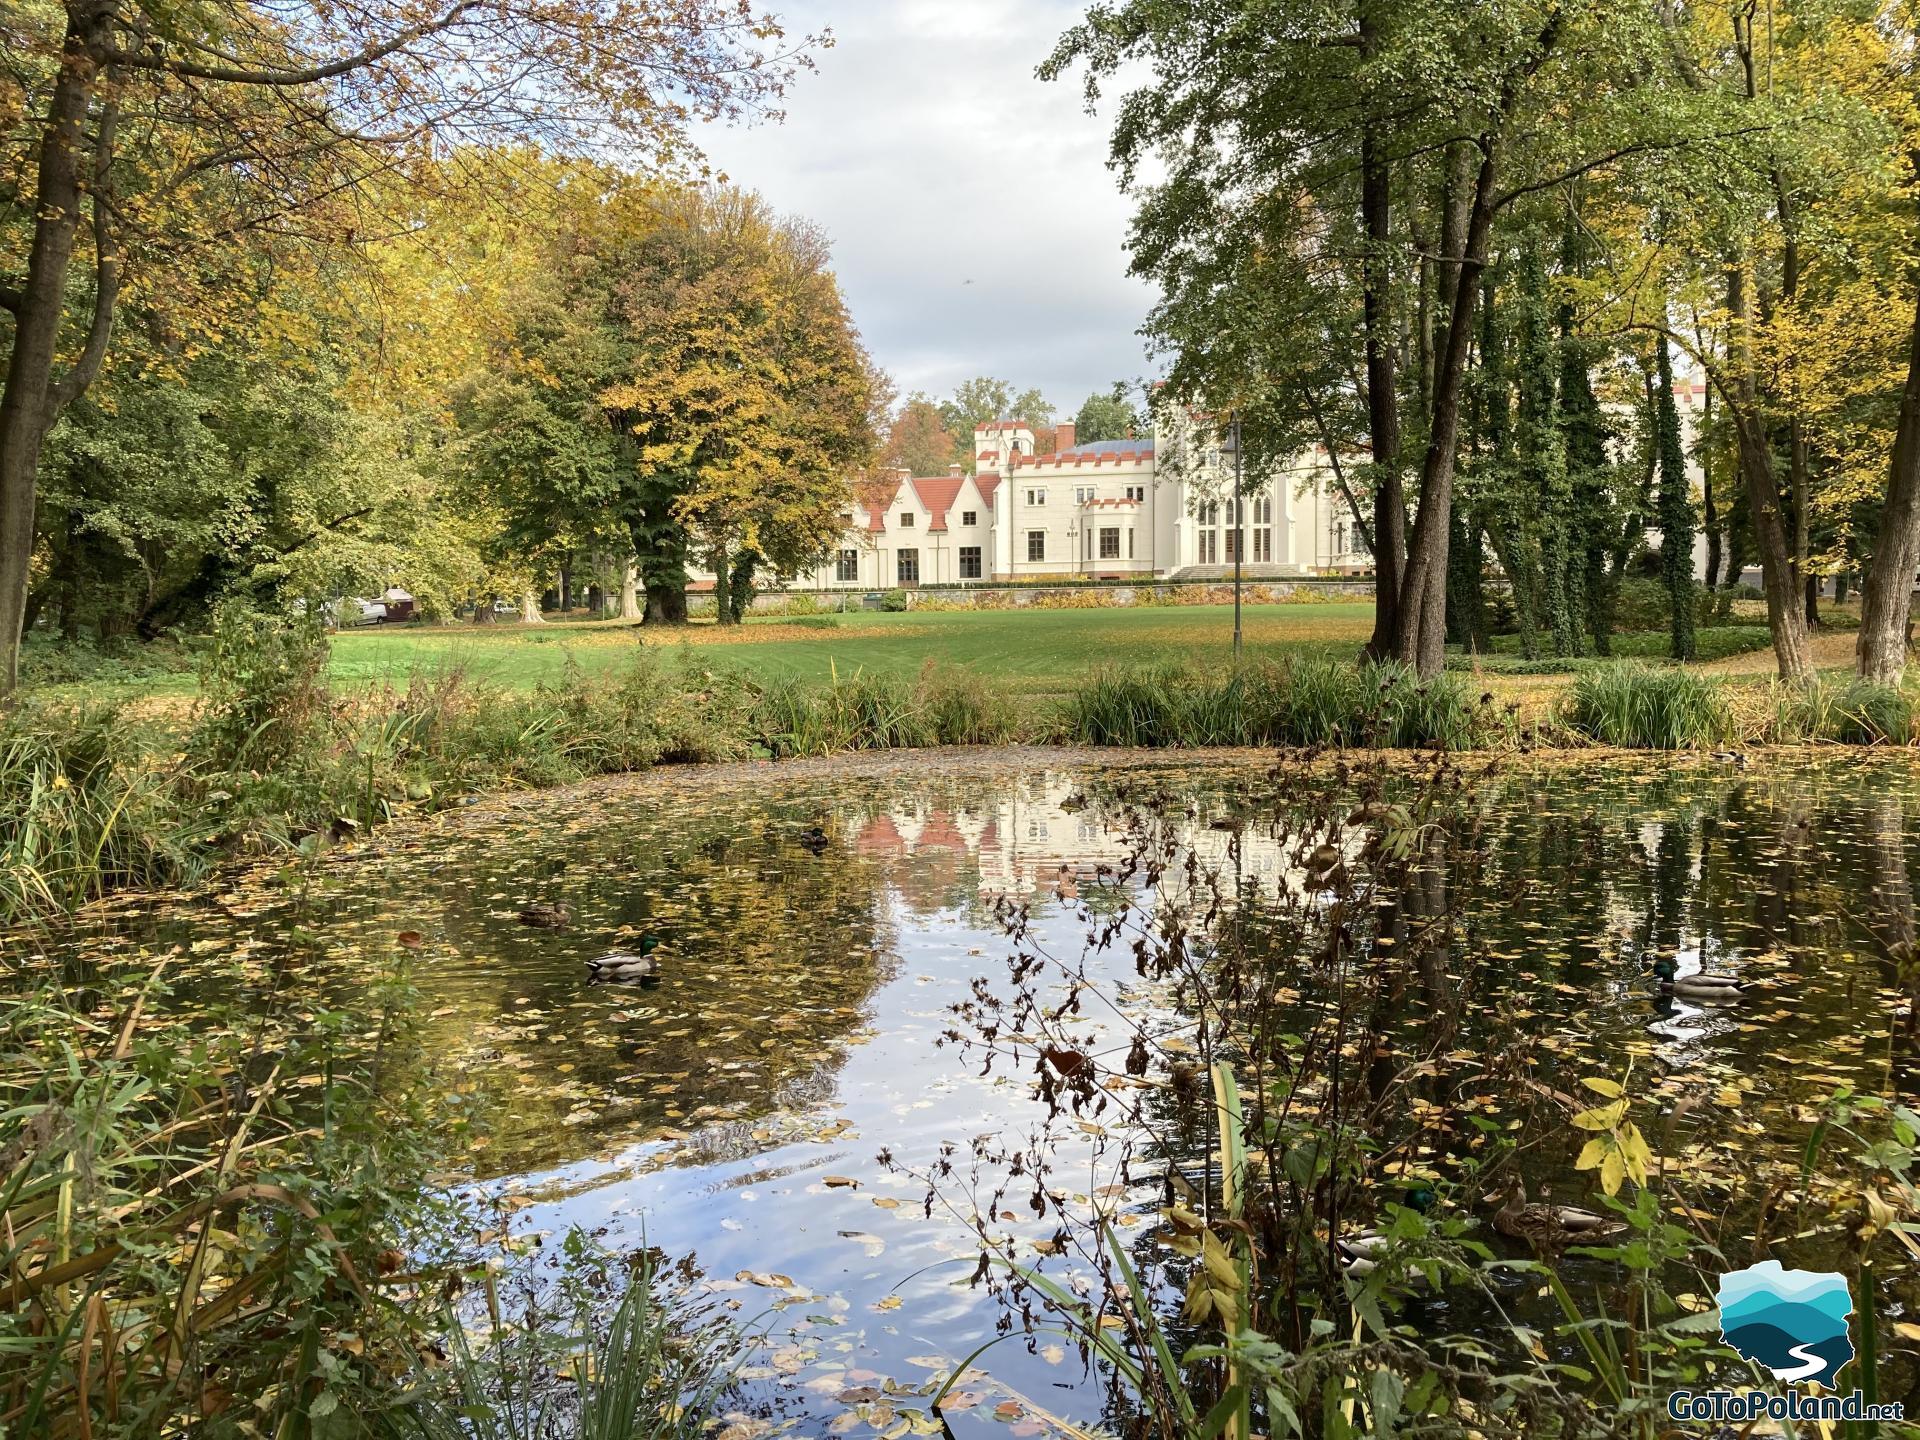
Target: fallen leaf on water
(839, 1182)
(761, 1277)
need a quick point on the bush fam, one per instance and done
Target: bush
(1638, 707)
(895, 600)
(263, 695)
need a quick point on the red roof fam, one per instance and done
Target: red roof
(937, 493)
(986, 485)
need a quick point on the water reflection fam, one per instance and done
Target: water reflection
(735, 1110)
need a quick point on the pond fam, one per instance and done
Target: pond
(800, 1102)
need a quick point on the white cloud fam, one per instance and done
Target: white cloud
(932, 156)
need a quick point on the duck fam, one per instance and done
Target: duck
(814, 839)
(1699, 985)
(1731, 757)
(545, 916)
(1547, 1226)
(1360, 1254)
(624, 965)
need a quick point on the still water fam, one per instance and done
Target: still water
(770, 1107)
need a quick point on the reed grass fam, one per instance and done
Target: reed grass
(1637, 707)
(1307, 701)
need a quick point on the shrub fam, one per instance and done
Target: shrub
(263, 695)
(1638, 707)
(895, 600)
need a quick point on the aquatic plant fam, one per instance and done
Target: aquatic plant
(1638, 707)
(642, 1371)
(1300, 701)
(196, 1207)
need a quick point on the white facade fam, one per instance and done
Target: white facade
(1107, 509)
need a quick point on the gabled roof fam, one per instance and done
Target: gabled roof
(937, 494)
(986, 484)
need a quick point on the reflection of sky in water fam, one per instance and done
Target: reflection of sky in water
(795, 1032)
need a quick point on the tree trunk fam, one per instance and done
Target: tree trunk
(1383, 401)
(1784, 615)
(722, 586)
(1423, 587)
(1710, 514)
(629, 590)
(1886, 591)
(741, 590)
(30, 400)
(530, 609)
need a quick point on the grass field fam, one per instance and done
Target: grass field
(1035, 651)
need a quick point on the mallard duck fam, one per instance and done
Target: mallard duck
(814, 838)
(626, 964)
(544, 916)
(1720, 989)
(1698, 985)
(1731, 757)
(1547, 1226)
(1360, 1254)
(1323, 865)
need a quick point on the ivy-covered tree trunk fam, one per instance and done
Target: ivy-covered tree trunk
(1543, 456)
(1466, 594)
(740, 591)
(1676, 506)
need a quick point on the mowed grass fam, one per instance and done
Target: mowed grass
(1037, 652)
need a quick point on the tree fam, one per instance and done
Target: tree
(1107, 416)
(983, 399)
(918, 439)
(241, 115)
(746, 390)
(1357, 160)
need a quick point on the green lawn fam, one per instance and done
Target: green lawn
(1037, 651)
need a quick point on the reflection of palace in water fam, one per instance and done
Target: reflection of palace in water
(1033, 838)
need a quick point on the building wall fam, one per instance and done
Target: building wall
(1154, 517)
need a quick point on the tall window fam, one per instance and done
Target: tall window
(969, 517)
(906, 566)
(1339, 537)
(1233, 544)
(1036, 544)
(969, 562)
(1262, 508)
(1129, 542)
(848, 566)
(1209, 547)
(1209, 513)
(1263, 546)
(1110, 542)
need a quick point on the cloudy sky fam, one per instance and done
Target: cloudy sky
(975, 226)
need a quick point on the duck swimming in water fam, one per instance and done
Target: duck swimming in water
(625, 965)
(544, 916)
(1699, 986)
(1546, 1226)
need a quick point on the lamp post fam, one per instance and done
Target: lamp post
(1239, 538)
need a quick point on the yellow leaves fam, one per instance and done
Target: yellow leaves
(1618, 1150)
(1214, 1292)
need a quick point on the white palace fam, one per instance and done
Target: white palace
(1104, 509)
